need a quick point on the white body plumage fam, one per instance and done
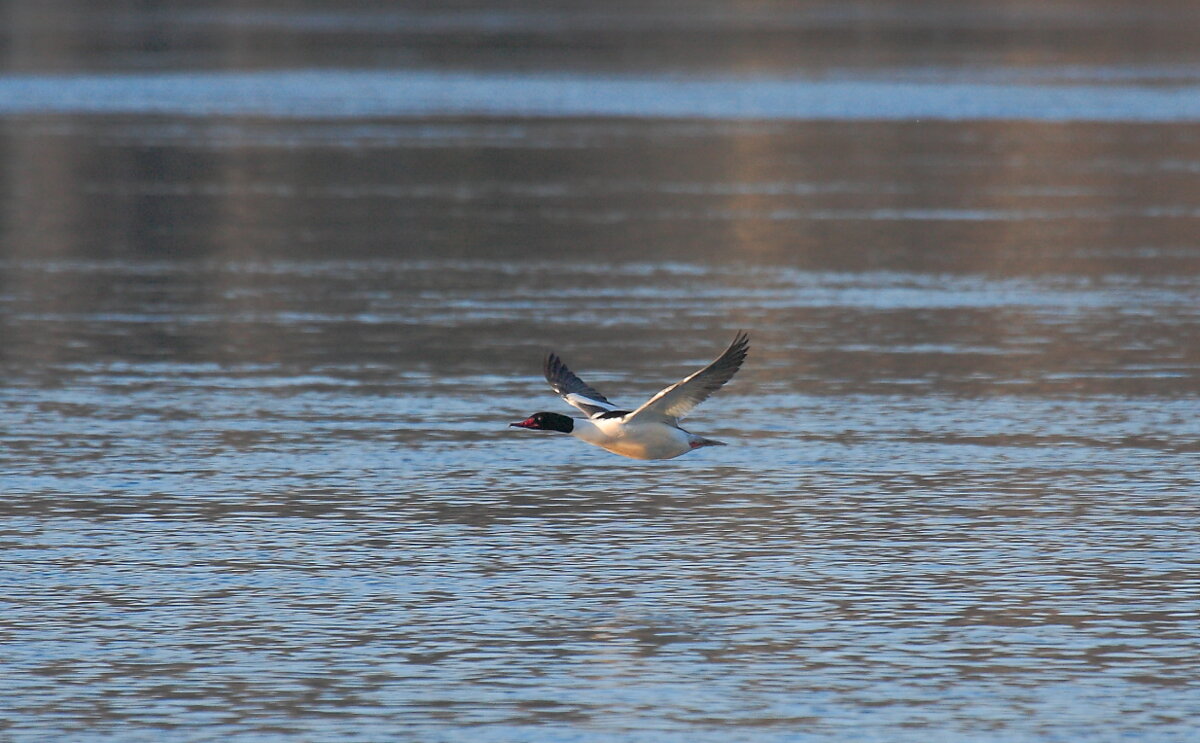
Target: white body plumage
(638, 439)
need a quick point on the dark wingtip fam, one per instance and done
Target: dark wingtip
(740, 345)
(550, 367)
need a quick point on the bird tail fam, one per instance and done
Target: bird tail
(699, 441)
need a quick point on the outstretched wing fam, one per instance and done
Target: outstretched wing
(678, 400)
(576, 392)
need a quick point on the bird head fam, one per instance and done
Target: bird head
(546, 422)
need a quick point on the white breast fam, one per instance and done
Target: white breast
(650, 440)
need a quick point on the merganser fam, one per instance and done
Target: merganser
(650, 432)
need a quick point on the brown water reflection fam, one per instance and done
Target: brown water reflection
(744, 36)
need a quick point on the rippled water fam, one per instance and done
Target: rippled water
(257, 375)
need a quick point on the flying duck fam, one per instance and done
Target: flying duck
(650, 432)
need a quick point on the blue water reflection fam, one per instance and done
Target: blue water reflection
(410, 93)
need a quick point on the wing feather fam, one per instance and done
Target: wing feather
(574, 390)
(679, 399)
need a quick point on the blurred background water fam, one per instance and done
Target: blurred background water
(274, 277)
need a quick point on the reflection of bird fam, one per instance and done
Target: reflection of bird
(650, 432)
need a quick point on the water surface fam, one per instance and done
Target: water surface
(258, 369)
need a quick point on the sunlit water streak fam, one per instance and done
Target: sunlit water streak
(395, 93)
